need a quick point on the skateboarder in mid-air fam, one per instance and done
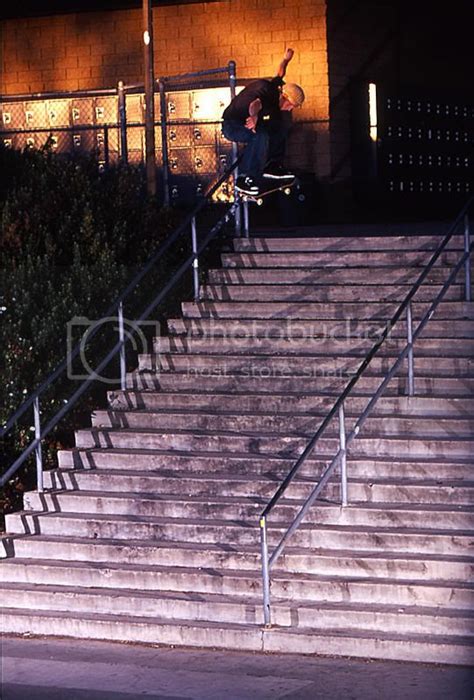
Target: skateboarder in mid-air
(256, 117)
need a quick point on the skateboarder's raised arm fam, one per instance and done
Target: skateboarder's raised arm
(254, 108)
(288, 55)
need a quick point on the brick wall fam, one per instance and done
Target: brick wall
(93, 50)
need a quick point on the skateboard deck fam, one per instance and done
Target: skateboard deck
(258, 198)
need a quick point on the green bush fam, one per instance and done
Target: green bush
(71, 239)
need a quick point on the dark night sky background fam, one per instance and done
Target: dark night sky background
(31, 8)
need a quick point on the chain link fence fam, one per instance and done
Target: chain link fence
(191, 151)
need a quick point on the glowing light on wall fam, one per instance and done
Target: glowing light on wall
(373, 111)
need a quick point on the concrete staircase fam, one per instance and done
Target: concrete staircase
(148, 531)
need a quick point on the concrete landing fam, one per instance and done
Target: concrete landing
(40, 669)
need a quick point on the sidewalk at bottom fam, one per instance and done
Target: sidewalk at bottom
(60, 669)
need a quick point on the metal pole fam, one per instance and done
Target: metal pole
(123, 368)
(164, 145)
(39, 456)
(106, 145)
(265, 573)
(411, 373)
(122, 110)
(149, 98)
(195, 261)
(246, 218)
(235, 150)
(342, 445)
(467, 267)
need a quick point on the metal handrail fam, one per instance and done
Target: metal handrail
(338, 407)
(191, 261)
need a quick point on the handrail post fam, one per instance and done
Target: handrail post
(411, 372)
(265, 572)
(235, 149)
(122, 111)
(123, 368)
(39, 456)
(342, 446)
(195, 260)
(467, 267)
(246, 218)
(106, 145)
(164, 144)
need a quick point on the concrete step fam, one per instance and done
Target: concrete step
(262, 381)
(337, 363)
(323, 562)
(417, 491)
(453, 649)
(338, 244)
(288, 404)
(278, 445)
(306, 330)
(296, 587)
(225, 508)
(225, 609)
(246, 465)
(447, 310)
(326, 292)
(340, 260)
(417, 427)
(314, 346)
(375, 530)
(330, 275)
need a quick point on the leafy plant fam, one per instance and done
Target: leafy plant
(71, 239)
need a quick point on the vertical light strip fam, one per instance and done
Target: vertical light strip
(373, 111)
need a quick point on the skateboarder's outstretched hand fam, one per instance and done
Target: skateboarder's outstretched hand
(254, 109)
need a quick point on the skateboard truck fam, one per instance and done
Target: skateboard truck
(258, 199)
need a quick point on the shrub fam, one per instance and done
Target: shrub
(71, 238)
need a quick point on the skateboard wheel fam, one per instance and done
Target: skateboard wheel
(260, 201)
(287, 190)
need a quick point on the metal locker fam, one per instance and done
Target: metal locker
(136, 139)
(204, 134)
(83, 141)
(12, 116)
(178, 105)
(182, 189)
(181, 161)
(157, 106)
(82, 110)
(209, 104)
(205, 160)
(58, 113)
(106, 109)
(60, 141)
(35, 114)
(158, 136)
(134, 109)
(179, 136)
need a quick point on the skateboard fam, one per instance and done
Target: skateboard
(258, 198)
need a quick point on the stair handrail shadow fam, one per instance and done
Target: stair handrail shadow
(268, 560)
(33, 399)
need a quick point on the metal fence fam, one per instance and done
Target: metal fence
(191, 152)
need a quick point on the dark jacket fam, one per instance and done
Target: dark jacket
(269, 93)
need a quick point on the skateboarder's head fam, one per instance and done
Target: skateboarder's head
(292, 96)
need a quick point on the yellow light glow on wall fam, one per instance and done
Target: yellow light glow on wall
(373, 111)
